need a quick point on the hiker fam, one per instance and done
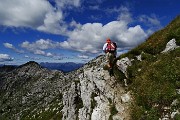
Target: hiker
(110, 50)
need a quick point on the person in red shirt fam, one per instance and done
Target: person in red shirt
(109, 49)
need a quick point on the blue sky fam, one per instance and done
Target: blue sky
(75, 30)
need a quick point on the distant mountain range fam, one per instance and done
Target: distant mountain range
(64, 67)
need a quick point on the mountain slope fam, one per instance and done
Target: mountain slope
(154, 75)
(32, 92)
(28, 90)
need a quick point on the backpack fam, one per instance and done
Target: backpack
(111, 47)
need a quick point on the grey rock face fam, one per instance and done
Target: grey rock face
(33, 92)
(99, 92)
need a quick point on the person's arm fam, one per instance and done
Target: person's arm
(104, 47)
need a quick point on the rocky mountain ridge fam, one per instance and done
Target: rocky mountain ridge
(33, 92)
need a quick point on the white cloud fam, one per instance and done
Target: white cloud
(90, 37)
(49, 54)
(5, 57)
(74, 24)
(53, 23)
(39, 52)
(125, 15)
(83, 56)
(35, 14)
(151, 21)
(68, 3)
(10, 46)
(23, 13)
(39, 46)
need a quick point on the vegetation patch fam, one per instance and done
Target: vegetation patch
(154, 80)
(51, 111)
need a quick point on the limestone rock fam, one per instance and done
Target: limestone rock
(87, 93)
(123, 64)
(171, 45)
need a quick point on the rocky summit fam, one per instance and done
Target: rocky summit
(32, 92)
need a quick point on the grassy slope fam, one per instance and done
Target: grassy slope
(154, 80)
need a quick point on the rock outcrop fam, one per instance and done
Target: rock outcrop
(99, 94)
(32, 92)
(171, 45)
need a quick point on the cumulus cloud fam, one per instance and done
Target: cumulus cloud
(38, 47)
(5, 57)
(90, 37)
(35, 14)
(39, 44)
(10, 46)
(53, 23)
(26, 13)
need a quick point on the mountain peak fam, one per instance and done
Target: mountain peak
(31, 64)
(30, 67)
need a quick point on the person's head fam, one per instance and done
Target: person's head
(108, 40)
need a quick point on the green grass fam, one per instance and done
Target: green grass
(155, 79)
(34, 113)
(155, 84)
